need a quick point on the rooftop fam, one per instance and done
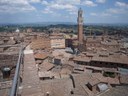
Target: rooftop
(114, 58)
(41, 56)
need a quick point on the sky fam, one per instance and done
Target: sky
(35, 11)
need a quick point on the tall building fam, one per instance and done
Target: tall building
(80, 26)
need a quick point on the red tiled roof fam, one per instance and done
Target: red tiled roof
(40, 56)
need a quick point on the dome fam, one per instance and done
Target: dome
(17, 30)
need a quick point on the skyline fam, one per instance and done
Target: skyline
(33, 11)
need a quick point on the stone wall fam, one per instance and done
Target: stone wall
(8, 60)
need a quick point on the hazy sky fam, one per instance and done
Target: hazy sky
(95, 11)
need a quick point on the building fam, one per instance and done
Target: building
(105, 63)
(8, 62)
(29, 30)
(80, 26)
(40, 43)
(57, 40)
(98, 44)
(17, 30)
(81, 41)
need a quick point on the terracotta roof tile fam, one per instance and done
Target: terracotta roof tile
(41, 56)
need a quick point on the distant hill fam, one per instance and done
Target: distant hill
(37, 24)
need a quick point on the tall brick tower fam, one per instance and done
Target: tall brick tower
(80, 26)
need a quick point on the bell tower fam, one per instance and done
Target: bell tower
(80, 26)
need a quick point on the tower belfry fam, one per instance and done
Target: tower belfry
(80, 26)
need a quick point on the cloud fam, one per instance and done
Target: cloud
(61, 6)
(56, 5)
(73, 2)
(93, 14)
(89, 3)
(105, 14)
(113, 10)
(51, 12)
(110, 12)
(70, 6)
(116, 11)
(44, 2)
(121, 4)
(120, 8)
(47, 11)
(102, 14)
(13, 6)
(34, 1)
(100, 1)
